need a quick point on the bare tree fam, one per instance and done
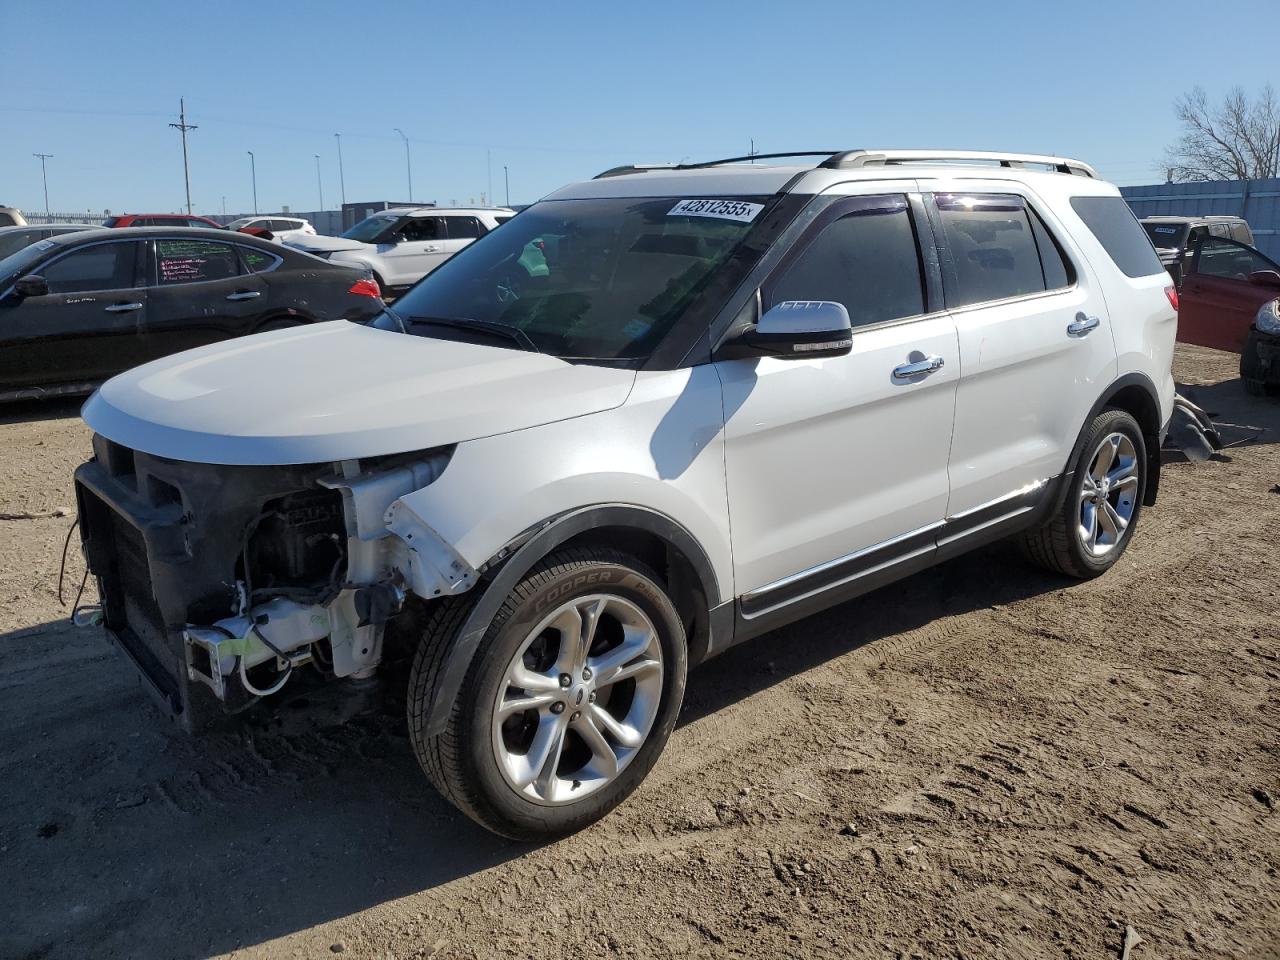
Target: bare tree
(1238, 139)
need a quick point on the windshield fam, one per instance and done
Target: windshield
(15, 241)
(1166, 236)
(588, 279)
(367, 229)
(17, 264)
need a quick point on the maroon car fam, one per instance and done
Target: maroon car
(1224, 285)
(161, 220)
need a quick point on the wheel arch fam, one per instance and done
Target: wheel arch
(1135, 394)
(652, 537)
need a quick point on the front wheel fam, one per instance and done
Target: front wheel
(568, 702)
(1100, 508)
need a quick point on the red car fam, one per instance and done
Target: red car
(160, 220)
(1223, 287)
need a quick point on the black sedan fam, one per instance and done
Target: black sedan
(80, 308)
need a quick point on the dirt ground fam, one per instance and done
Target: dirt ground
(983, 761)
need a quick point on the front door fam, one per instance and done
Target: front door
(1218, 301)
(418, 248)
(1036, 349)
(838, 464)
(89, 327)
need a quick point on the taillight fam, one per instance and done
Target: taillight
(1172, 294)
(365, 287)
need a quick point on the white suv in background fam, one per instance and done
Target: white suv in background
(402, 245)
(280, 228)
(656, 414)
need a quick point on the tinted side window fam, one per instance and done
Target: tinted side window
(1220, 230)
(194, 261)
(868, 260)
(1240, 232)
(1057, 269)
(992, 248)
(104, 266)
(463, 228)
(423, 228)
(1113, 223)
(1230, 260)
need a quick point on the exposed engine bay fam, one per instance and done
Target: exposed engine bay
(221, 582)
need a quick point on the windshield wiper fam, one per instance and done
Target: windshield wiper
(488, 326)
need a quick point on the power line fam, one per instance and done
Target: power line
(182, 126)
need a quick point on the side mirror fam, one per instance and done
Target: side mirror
(1265, 278)
(32, 285)
(799, 330)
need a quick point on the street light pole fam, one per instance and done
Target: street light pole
(408, 162)
(506, 182)
(45, 177)
(253, 172)
(319, 182)
(182, 126)
(342, 180)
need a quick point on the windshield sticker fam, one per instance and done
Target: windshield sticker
(739, 210)
(1166, 229)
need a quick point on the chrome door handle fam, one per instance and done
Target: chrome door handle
(123, 307)
(918, 368)
(1082, 325)
(244, 295)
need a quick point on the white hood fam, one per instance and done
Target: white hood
(311, 242)
(338, 391)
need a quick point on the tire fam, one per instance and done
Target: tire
(1252, 373)
(1065, 544)
(488, 767)
(280, 323)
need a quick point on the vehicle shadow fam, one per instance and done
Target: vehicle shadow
(133, 839)
(30, 411)
(992, 576)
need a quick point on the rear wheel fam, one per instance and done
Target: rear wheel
(1100, 508)
(567, 703)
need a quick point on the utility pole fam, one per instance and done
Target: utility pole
(253, 172)
(408, 162)
(342, 180)
(488, 163)
(45, 177)
(506, 181)
(319, 182)
(224, 206)
(182, 126)
(752, 151)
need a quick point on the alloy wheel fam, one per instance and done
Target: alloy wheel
(578, 699)
(1108, 495)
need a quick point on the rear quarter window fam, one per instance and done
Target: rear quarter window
(1117, 229)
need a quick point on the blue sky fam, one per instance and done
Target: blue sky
(557, 91)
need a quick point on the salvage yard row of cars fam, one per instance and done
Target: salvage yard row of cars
(79, 303)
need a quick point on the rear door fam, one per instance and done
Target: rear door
(88, 328)
(418, 249)
(462, 231)
(200, 292)
(1036, 349)
(836, 467)
(1218, 301)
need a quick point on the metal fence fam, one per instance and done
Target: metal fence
(86, 217)
(1258, 201)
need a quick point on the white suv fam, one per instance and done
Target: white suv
(278, 228)
(402, 245)
(656, 414)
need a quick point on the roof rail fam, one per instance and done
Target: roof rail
(852, 159)
(646, 167)
(872, 158)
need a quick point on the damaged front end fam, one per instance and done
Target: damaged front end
(220, 582)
